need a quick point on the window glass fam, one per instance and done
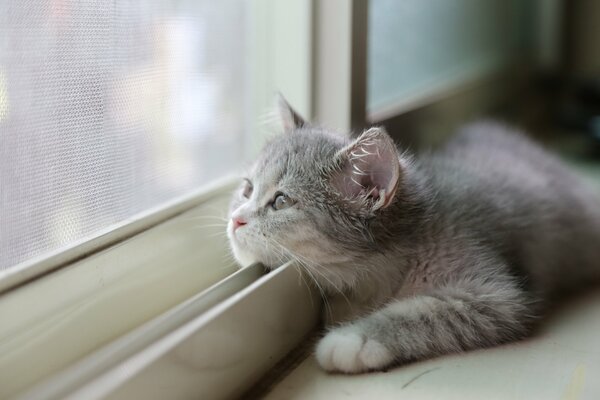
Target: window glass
(417, 45)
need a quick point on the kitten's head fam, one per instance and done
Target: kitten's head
(312, 196)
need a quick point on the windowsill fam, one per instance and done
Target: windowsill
(562, 361)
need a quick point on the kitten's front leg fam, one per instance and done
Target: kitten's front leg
(341, 308)
(443, 321)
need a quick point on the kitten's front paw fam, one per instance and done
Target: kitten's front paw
(348, 350)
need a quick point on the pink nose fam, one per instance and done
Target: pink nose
(237, 222)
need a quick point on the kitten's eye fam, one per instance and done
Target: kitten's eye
(248, 188)
(281, 201)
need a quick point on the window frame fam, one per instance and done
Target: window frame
(37, 267)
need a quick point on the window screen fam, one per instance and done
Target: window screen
(110, 108)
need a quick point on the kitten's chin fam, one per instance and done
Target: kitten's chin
(243, 257)
(246, 258)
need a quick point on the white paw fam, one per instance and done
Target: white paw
(346, 350)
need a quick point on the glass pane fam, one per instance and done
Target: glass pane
(110, 108)
(417, 45)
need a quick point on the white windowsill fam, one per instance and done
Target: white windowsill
(562, 361)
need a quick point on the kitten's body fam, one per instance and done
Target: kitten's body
(458, 250)
(508, 195)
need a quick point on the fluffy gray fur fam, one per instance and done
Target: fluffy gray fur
(455, 250)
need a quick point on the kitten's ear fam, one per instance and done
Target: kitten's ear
(368, 170)
(289, 117)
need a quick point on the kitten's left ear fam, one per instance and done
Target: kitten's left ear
(289, 117)
(368, 170)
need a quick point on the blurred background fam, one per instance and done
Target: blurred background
(109, 110)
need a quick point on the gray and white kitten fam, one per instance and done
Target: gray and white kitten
(418, 257)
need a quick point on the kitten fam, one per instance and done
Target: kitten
(451, 251)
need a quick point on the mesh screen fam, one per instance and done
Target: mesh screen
(109, 108)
